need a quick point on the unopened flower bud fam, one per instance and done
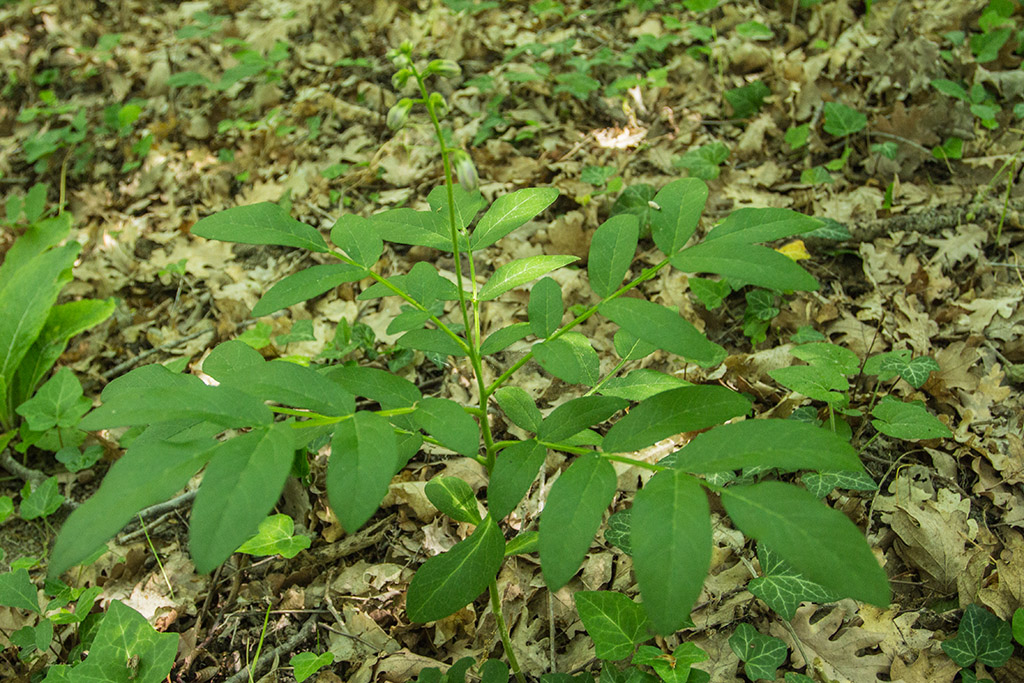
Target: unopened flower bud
(399, 114)
(445, 68)
(400, 78)
(465, 171)
(438, 103)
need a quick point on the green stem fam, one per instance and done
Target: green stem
(506, 640)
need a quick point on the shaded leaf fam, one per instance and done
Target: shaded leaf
(664, 328)
(576, 415)
(569, 358)
(782, 588)
(364, 457)
(263, 223)
(305, 285)
(680, 204)
(615, 623)
(612, 248)
(545, 308)
(515, 469)
(508, 212)
(276, 536)
(909, 421)
(982, 637)
(453, 497)
(762, 655)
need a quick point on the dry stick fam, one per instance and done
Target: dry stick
(121, 367)
(287, 646)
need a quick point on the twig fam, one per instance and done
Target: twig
(121, 367)
(287, 646)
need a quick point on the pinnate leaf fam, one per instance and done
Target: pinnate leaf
(671, 542)
(672, 412)
(817, 541)
(680, 204)
(615, 623)
(664, 328)
(575, 505)
(514, 471)
(454, 497)
(517, 273)
(784, 444)
(240, 487)
(448, 582)
(263, 223)
(611, 253)
(508, 212)
(576, 415)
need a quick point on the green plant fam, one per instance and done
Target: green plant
(120, 643)
(982, 637)
(35, 330)
(271, 410)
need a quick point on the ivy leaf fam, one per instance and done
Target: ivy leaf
(276, 536)
(982, 636)
(823, 483)
(123, 635)
(18, 591)
(615, 623)
(618, 530)
(782, 588)
(305, 664)
(762, 655)
(908, 421)
(841, 120)
(43, 501)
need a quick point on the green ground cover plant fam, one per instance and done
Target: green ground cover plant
(252, 430)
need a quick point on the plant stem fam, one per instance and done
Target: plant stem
(506, 640)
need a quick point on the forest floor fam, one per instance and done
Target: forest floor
(162, 113)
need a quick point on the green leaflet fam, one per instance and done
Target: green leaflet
(453, 497)
(517, 273)
(503, 337)
(671, 545)
(156, 466)
(467, 205)
(263, 223)
(615, 623)
(406, 226)
(680, 204)
(448, 582)
(240, 487)
(519, 407)
(751, 225)
(750, 263)
(574, 416)
(514, 471)
(545, 308)
(357, 237)
(817, 541)
(364, 457)
(391, 391)
(569, 358)
(570, 519)
(664, 328)
(786, 444)
(450, 424)
(611, 253)
(238, 365)
(153, 393)
(672, 412)
(508, 212)
(305, 285)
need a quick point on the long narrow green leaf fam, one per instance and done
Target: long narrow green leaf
(519, 272)
(406, 226)
(508, 212)
(305, 285)
(817, 541)
(454, 497)
(570, 519)
(263, 223)
(750, 263)
(762, 225)
(680, 204)
(364, 457)
(156, 466)
(574, 416)
(25, 304)
(671, 542)
(36, 239)
(672, 412)
(611, 252)
(545, 309)
(240, 487)
(448, 582)
(784, 444)
(664, 328)
(153, 393)
(450, 424)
